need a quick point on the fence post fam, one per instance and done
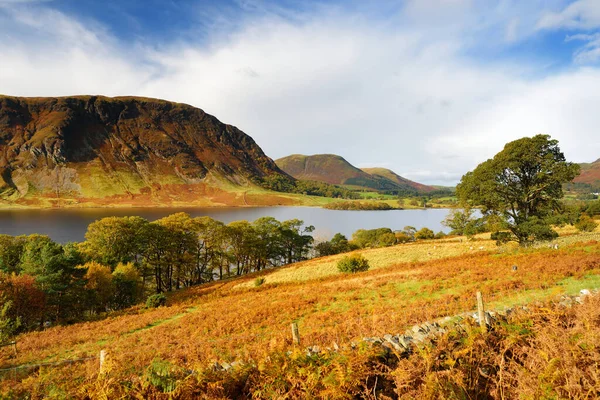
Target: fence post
(15, 348)
(295, 333)
(481, 312)
(102, 360)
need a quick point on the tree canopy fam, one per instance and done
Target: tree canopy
(521, 184)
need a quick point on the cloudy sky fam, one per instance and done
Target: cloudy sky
(429, 88)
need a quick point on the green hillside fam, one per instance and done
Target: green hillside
(334, 169)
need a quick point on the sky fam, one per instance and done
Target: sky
(428, 88)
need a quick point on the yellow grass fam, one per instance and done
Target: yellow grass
(380, 258)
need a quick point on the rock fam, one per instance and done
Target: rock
(394, 342)
(312, 350)
(419, 337)
(585, 292)
(416, 329)
(405, 341)
(374, 340)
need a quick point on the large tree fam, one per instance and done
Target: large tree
(522, 184)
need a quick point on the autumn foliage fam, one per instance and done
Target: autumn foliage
(248, 327)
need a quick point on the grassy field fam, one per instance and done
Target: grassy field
(234, 320)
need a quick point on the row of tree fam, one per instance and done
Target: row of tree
(125, 258)
(374, 238)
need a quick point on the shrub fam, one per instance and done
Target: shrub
(424, 233)
(586, 224)
(259, 281)
(353, 263)
(402, 237)
(440, 235)
(156, 300)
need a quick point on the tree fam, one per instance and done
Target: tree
(113, 240)
(54, 267)
(8, 325)
(99, 286)
(522, 184)
(352, 264)
(380, 237)
(11, 249)
(28, 302)
(296, 241)
(424, 234)
(127, 285)
(458, 220)
(586, 224)
(338, 244)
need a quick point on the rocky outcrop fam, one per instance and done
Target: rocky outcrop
(90, 146)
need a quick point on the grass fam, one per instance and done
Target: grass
(235, 320)
(379, 258)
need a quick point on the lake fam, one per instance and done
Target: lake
(70, 225)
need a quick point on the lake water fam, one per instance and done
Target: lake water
(68, 225)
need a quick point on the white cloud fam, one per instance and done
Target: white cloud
(581, 14)
(375, 92)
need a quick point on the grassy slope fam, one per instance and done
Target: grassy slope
(233, 320)
(394, 177)
(590, 173)
(333, 169)
(329, 168)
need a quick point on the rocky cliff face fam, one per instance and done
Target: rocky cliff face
(88, 147)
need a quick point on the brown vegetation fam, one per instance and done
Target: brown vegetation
(224, 322)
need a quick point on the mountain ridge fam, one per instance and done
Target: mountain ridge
(590, 175)
(121, 149)
(334, 169)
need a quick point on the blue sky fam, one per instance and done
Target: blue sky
(429, 88)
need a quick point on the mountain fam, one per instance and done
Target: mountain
(590, 175)
(331, 168)
(390, 175)
(125, 150)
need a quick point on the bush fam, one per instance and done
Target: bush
(586, 224)
(156, 300)
(424, 233)
(353, 263)
(403, 237)
(440, 235)
(259, 281)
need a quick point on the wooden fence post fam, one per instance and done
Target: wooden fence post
(102, 361)
(15, 348)
(481, 312)
(295, 333)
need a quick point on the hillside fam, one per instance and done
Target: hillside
(91, 150)
(590, 175)
(333, 169)
(231, 339)
(388, 174)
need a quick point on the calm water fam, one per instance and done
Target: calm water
(71, 224)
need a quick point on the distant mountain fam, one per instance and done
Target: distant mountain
(388, 174)
(123, 150)
(331, 168)
(590, 175)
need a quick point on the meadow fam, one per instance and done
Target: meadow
(237, 321)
